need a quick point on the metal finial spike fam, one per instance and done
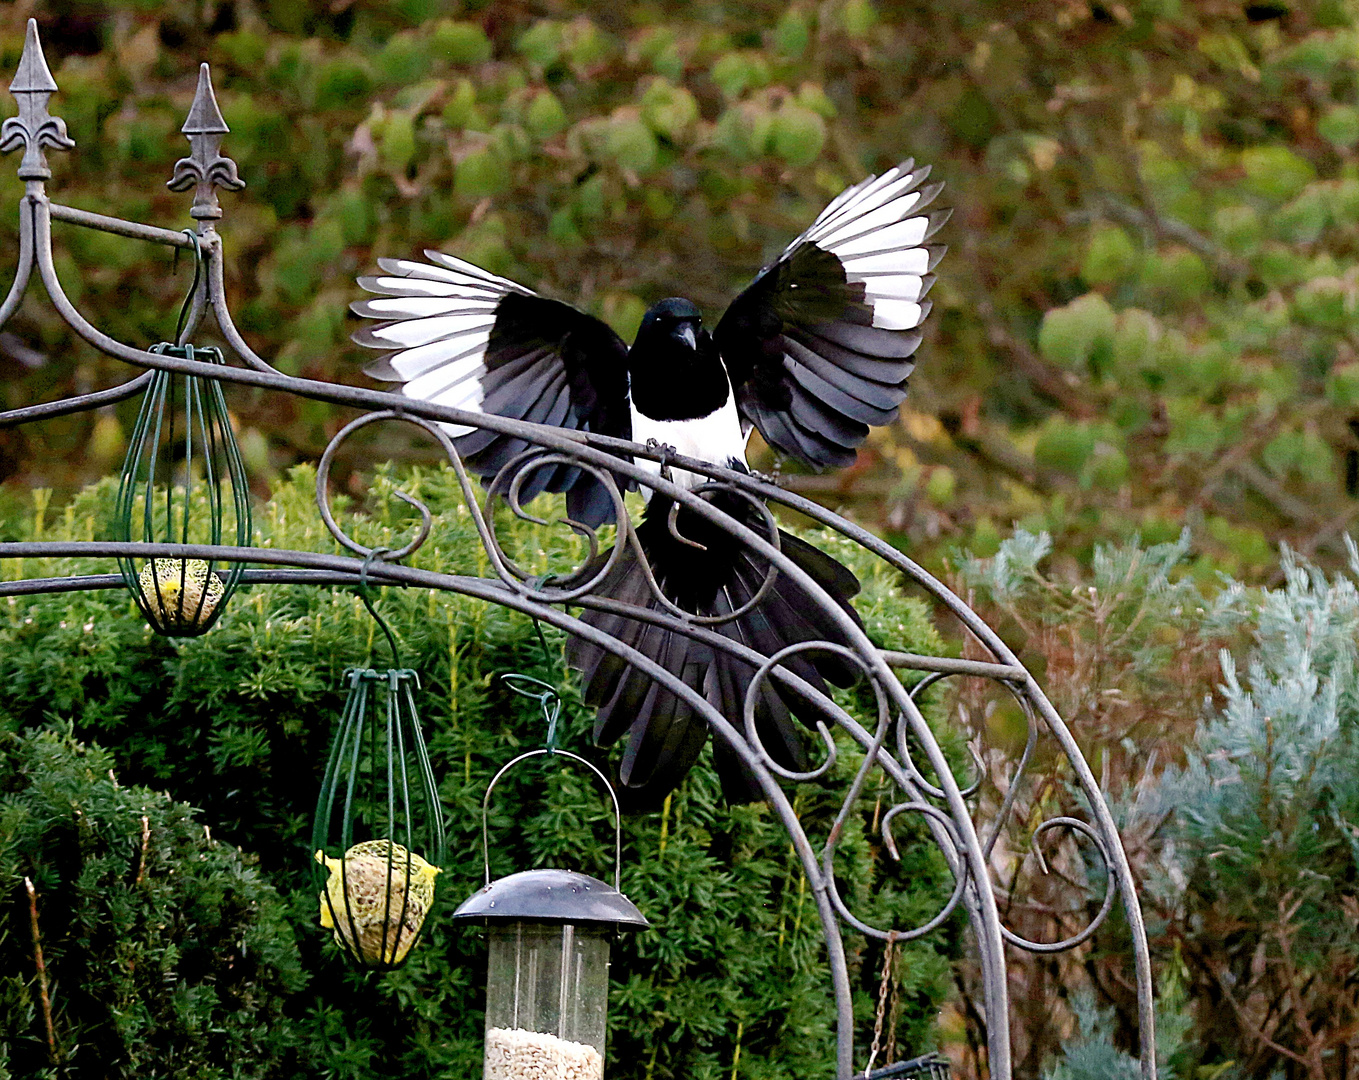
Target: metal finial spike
(33, 74)
(205, 169)
(34, 128)
(205, 118)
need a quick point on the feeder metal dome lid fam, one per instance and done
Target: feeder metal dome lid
(556, 896)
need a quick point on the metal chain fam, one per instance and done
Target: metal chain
(893, 1012)
(887, 954)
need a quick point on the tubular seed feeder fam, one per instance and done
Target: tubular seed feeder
(547, 972)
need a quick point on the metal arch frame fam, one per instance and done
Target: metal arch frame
(943, 804)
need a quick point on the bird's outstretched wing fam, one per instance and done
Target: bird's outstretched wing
(819, 345)
(459, 336)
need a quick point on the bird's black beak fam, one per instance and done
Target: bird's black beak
(687, 335)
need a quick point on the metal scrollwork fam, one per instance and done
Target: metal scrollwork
(557, 588)
(323, 488)
(908, 762)
(943, 821)
(964, 823)
(1106, 905)
(752, 698)
(772, 536)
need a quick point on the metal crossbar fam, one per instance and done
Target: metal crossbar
(928, 1067)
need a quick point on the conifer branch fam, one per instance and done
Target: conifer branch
(44, 997)
(141, 858)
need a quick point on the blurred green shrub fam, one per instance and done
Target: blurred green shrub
(166, 952)
(1105, 160)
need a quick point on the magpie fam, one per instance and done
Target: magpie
(815, 350)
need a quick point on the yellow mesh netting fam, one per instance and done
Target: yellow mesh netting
(362, 895)
(161, 583)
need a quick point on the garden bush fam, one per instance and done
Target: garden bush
(1225, 723)
(731, 977)
(166, 953)
(1261, 861)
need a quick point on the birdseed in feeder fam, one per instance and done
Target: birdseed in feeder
(377, 895)
(516, 1054)
(161, 582)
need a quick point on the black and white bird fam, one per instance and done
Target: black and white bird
(813, 352)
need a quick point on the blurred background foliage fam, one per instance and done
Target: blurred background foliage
(1143, 322)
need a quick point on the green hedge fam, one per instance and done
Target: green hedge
(237, 724)
(167, 951)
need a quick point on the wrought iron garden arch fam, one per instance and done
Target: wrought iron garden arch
(943, 806)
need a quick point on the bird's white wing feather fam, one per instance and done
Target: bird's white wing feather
(879, 235)
(819, 344)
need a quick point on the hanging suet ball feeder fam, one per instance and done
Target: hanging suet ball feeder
(183, 482)
(547, 972)
(379, 830)
(376, 899)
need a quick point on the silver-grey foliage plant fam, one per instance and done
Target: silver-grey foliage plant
(1255, 863)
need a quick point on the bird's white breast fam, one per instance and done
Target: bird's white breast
(716, 437)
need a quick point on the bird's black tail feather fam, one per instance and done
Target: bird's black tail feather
(663, 734)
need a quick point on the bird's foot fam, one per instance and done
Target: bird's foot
(664, 449)
(666, 452)
(773, 479)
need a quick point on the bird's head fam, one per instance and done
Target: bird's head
(674, 318)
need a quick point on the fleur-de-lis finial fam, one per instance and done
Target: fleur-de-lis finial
(33, 128)
(205, 167)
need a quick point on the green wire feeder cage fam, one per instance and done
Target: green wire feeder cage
(379, 831)
(183, 482)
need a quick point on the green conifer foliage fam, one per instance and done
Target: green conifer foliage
(166, 952)
(1267, 830)
(238, 723)
(1224, 718)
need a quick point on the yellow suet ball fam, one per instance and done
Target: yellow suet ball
(180, 593)
(365, 895)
